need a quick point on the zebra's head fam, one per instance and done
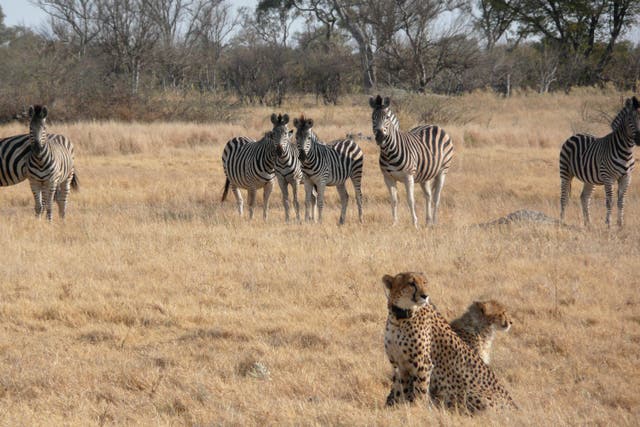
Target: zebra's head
(303, 136)
(382, 118)
(628, 121)
(280, 133)
(38, 125)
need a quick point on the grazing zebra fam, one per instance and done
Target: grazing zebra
(289, 172)
(50, 166)
(251, 164)
(328, 165)
(14, 153)
(422, 155)
(601, 161)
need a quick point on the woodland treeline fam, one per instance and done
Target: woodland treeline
(197, 59)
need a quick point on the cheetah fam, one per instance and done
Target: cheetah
(477, 326)
(428, 357)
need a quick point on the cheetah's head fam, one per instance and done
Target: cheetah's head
(406, 291)
(493, 313)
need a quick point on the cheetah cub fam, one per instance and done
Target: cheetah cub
(478, 325)
(428, 357)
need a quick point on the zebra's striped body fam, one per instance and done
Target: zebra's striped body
(14, 154)
(601, 161)
(50, 167)
(422, 155)
(328, 165)
(250, 164)
(289, 172)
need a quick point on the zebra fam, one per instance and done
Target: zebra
(289, 172)
(14, 153)
(50, 166)
(422, 155)
(328, 165)
(251, 164)
(601, 161)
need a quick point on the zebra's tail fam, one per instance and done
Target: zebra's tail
(75, 183)
(226, 190)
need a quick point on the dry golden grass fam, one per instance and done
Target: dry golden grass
(154, 304)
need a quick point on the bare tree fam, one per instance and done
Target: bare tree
(76, 19)
(128, 35)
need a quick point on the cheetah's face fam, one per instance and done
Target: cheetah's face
(406, 290)
(495, 314)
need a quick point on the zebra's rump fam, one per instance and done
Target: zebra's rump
(592, 160)
(247, 164)
(14, 153)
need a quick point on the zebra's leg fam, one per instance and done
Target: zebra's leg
(320, 199)
(284, 188)
(358, 189)
(296, 205)
(565, 192)
(265, 196)
(48, 196)
(408, 183)
(251, 200)
(36, 189)
(437, 190)
(238, 196)
(309, 200)
(608, 193)
(393, 194)
(426, 189)
(623, 183)
(61, 197)
(585, 198)
(344, 201)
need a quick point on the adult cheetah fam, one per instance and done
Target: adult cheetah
(478, 325)
(428, 356)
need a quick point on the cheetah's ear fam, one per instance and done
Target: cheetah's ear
(388, 283)
(481, 305)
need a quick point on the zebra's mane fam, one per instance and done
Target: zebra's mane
(618, 120)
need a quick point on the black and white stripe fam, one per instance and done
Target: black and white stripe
(601, 161)
(328, 165)
(250, 164)
(422, 155)
(289, 173)
(14, 154)
(50, 167)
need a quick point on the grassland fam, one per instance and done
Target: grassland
(153, 304)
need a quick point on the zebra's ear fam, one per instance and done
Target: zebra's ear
(372, 102)
(636, 104)
(309, 123)
(386, 102)
(285, 119)
(44, 112)
(274, 119)
(31, 111)
(296, 122)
